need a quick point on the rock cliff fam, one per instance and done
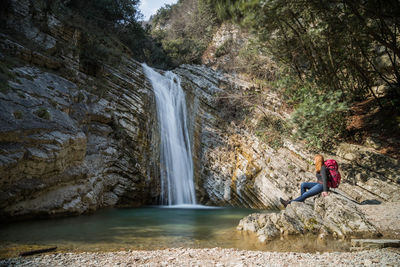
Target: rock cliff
(70, 142)
(235, 167)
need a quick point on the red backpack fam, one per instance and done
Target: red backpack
(334, 174)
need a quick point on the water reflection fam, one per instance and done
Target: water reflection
(150, 228)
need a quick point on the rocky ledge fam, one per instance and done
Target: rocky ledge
(333, 215)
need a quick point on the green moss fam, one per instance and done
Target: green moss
(20, 94)
(4, 88)
(5, 76)
(311, 224)
(18, 114)
(43, 113)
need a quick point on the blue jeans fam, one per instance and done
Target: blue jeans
(309, 189)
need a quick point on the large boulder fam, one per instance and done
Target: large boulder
(333, 215)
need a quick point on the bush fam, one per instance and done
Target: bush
(320, 119)
(106, 13)
(184, 50)
(224, 48)
(254, 60)
(272, 131)
(184, 29)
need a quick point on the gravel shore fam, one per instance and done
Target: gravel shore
(211, 257)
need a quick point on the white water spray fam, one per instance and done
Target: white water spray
(177, 187)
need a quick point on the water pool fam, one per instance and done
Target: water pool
(148, 228)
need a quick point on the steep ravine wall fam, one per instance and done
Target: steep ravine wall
(65, 148)
(234, 167)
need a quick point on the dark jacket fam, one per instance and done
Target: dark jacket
(322, 177)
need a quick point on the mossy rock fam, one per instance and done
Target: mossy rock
(18, 114)
(311, 225)
(43, 113)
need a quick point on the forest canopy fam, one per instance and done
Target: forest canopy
(333, 52)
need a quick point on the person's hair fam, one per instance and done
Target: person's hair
(319, 161)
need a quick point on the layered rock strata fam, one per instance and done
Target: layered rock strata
(70, 142)
(326, 216)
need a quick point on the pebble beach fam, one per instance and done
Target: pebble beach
(211, 257)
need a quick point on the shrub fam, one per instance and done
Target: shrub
(320, 119)
(255, 60)
(184, 50)
(272, 131)
(184, 29)
(224, 48)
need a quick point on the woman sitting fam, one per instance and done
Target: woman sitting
(310, 189)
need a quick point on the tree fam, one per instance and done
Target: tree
(107, 13)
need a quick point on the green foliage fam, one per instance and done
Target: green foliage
(224, 48)
(320, 119)
(92, 54)
(144, 48)
(184, 29)
(272, 131)
(183, 50)
(228, 10)
(333, 43)
(109, 29)
(43, 113)
(335, 46)
(254, 59)
(107, 13)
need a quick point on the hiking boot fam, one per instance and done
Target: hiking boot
(284, 202)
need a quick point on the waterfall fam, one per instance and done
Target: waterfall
(176, 165)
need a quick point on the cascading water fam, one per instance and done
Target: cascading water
(177, 187)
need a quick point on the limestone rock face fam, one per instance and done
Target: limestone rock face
(223, 51)
(368, 174)
(331, 215)
(234, 167)
(66, 147)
